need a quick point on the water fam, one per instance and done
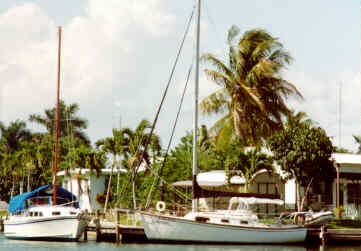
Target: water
(13, 245)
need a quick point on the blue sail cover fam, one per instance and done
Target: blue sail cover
(17, 203)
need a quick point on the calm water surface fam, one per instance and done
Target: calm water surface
(12, 245)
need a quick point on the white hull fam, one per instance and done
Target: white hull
(168, 228)
(52, 228)
(62, 227)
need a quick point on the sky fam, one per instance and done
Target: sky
(117, 56)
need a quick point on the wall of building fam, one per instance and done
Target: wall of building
(90, 187)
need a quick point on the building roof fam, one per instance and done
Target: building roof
(214, 178)
(220, 177)
(346, 158)
(104, 171)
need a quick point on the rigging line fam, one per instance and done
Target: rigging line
(178, 192)
(148, 139)
(149, 198)
(213, 24)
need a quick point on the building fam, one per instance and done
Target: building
(340, 189)
(268, 184)
(87, 185)
(346, 188)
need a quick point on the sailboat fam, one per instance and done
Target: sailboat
(214, 227)
(48, 213)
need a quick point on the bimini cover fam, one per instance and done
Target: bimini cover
(17, 203)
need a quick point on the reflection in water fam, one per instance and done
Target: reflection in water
(219, 248)
(10, 245)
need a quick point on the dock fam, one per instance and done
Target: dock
(326, 235)
(116, 230)
(110, 232)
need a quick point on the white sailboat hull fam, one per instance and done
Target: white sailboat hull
(62, 227)
(168, 228)
(56, 228)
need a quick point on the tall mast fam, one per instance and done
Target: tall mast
(195, 118)
(56, 150)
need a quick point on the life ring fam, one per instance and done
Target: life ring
(160, 206)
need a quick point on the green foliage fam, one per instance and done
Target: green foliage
(29, 156)
(252, 93)
(69, 123)
(358, 141)
(341, 150)
(132, 148)
(303, 151)
(246, 161)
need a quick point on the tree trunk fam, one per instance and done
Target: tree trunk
(306, 192)
(133, 192)
(109, 184)
(28, 188)
(78, 180)
(118, 177)
(21, 186)
(12, 188)
(298, 197)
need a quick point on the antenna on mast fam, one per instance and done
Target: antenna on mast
(340, 115)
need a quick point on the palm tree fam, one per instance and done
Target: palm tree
(252, 91)
(113, 146)
(252, 161)
(27, 158)
(108, 146)
(139, 152)
(246, 161)
(358, 141)
(86, 157)
(12, 135)
(12, 138)
(69, 123)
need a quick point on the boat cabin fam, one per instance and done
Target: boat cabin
(35, 201)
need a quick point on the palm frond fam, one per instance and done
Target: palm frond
(217, 102)
(220, 66)
(232, 33)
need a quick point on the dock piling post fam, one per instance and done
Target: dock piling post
(117, 237)
(86, 234)
(1, 224)
(323, 236)
(97, 226)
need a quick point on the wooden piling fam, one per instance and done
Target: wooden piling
(97, 226)
(323, 235)
(86, 234)
(1, 224)
(117, 237)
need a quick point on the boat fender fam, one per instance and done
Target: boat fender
(160, 206)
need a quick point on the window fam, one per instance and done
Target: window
(56, 213)
(224, 220)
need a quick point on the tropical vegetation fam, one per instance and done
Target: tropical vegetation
(303, 151)
(252, 104)
(252, 93)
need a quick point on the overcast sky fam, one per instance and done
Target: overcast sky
(117, 56)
